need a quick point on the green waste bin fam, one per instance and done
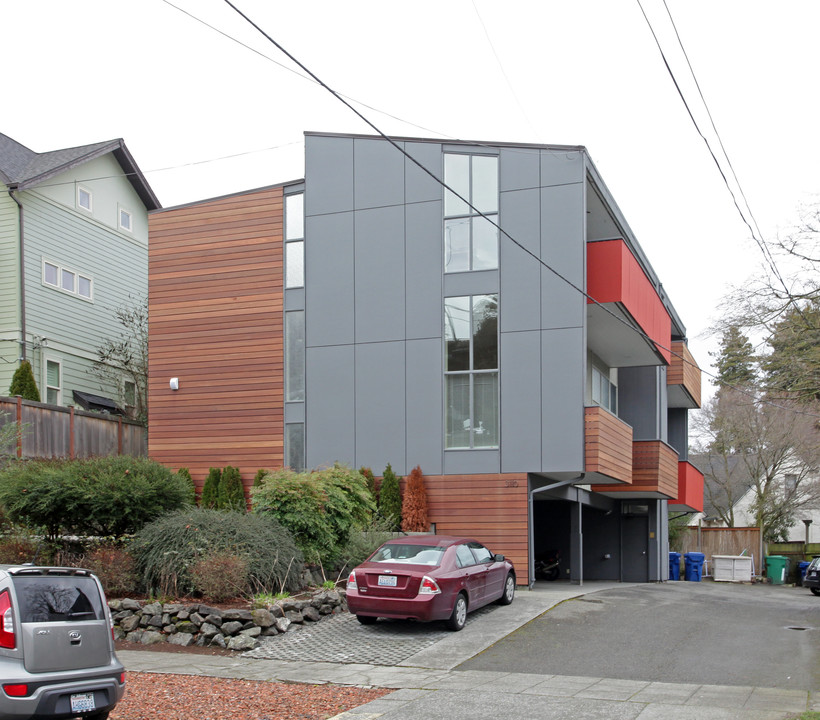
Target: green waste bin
(777, 568)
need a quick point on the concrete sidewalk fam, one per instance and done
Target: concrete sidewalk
(429, 687)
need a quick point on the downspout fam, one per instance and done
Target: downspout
(22, 276)
(552, 486)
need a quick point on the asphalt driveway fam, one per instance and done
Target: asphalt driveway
(679, 632)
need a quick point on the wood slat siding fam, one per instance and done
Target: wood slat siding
(216, 323)
(608, 444)
(490, 508)
(654, 470)
(683, 370)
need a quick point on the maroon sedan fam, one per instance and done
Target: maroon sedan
(429, 577)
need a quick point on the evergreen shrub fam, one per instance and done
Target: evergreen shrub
(231, 491)
(390, 498)
(414, 503)
(210, 491)
(185, 474)
(23, 383)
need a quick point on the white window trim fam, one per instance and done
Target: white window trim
(90, 208)
(120, 211)
(59, 388)
(59, 286)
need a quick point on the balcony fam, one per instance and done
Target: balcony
(654, 472)
(607, 447)
(683, 378)
(690, 489)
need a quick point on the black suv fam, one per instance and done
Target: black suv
(812, 579)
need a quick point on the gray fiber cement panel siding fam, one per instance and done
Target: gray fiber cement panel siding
(328, 175)
(520, 305)
(419, 186)
(424, 418)
(520, 401)
(330, 405)
(379, 287)
(423, 268)
(383, 187)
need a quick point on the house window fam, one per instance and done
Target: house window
(604, 391)
(53, 382)
(125, 220)
(295, 240)
(471, 371)
(295, 446)
(67, 280)
(470, 239)
(129, 393)
(295, 356)
(83, 198)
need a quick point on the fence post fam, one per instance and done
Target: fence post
(119, 434)
(19, 426)
(71, 432)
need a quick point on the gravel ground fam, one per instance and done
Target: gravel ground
(183, 697)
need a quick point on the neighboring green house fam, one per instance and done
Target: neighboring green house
(73, 248)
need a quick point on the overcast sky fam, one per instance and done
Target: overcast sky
(586, 72)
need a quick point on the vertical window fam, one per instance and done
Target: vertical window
(83, 198)
(470, 240)
(604, 391)
(295, 359)
(50, 273)
(67, 280)
(295, 240)
(129, 393)
(125, 220)
(53, 382)
(295, 446)
(471, 371)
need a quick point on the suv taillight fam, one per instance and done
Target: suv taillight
(6, 621)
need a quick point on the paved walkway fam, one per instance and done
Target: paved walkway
(428, 686)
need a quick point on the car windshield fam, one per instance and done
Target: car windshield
(55, 599)
(411, 554)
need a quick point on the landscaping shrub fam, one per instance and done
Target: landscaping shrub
(104, 496)
(114, 566)
(23, 383)
(414, 503)
(185, 474)
(220, 575)
(257, 479)
(231, 491)
(166, 550)
(362, 543)
(367, 474)
(390, 498)
(320, 508)
(210, 491)
(17, 548)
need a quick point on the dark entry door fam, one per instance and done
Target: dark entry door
(635, 544)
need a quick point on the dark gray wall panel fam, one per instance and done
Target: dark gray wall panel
(328, 175)
(562, 400)
(638, 401)
(520, 272)
(425, 431)
(678, 431)
(563, 250)
(520, 168)
(471, 462)
(560, 168)
(423, 253)
(330, 413)
(379, 272)
(295, 299)
(471, 283)
(378, 172)
(380, 398)
(419, 186)
(330, 279)
(520, 401)
(294, 412)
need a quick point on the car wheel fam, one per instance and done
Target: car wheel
(816, 591)
(458, 618)
(509, 591)
(366, 619)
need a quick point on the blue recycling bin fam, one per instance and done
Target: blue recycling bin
(693, 566)
(674, 566)
(803, 566)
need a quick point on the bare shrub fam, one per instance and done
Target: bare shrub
(220, 576)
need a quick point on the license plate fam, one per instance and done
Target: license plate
(82, 702)
(388, 580)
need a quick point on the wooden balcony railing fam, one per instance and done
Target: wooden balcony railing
(683, 371)
(608, 445)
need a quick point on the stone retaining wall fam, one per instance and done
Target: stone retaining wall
(199, 624)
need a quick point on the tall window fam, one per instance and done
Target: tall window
(471, 371)
(295, 359)
(295, 446)
(604, 391)
(53, 382)
(295, 240)
(470, 240)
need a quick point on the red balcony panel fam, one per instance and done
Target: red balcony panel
(615, 276)
(690, 489)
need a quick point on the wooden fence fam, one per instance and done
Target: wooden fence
(722, 541)
(48, 431)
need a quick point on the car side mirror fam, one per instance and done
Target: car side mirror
(498, 558)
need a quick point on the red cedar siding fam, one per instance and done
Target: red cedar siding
(654, 469)
(608, 444)
(683, 370)
(216, 323)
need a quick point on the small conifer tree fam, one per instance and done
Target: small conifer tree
(231, 490)
(414, 503)
(185, 474)
(260, 474)
(210, 491)
(367, 474)
(23, 383)
(390, 497)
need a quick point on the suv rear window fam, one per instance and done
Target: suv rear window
(56, 599)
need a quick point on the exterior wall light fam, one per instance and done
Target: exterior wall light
(174, 383)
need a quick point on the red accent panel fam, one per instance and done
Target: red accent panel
(690, 487)
(614, 275)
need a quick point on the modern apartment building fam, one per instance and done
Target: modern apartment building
(537, 374)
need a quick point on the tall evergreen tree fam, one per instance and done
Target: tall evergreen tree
(390, 497)
(210, 491)
(793, 366)
(231, 495)
(23, 383)
(734, 360)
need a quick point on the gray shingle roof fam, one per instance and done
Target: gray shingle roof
(24, 168)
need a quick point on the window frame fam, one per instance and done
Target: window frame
(58, 285)
(294, 240)
(80, 190)
(300, 465)
(597, 378)
(58, 388)
(123, 211)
